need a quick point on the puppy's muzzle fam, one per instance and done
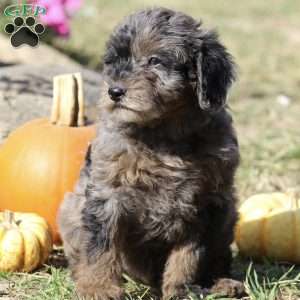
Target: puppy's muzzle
(116, 93)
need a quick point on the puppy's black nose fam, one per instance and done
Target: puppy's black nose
(116, 93)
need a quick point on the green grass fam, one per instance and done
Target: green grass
(264, 288)
(268, 281)
(264, 38)
(48, 284)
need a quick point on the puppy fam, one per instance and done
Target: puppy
(156, 198)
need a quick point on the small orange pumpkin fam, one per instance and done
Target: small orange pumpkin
(41, 161)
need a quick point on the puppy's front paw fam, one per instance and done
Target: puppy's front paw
(198, 291)
(229, 288)
(183, 292)
(173, 292)
(112, 293)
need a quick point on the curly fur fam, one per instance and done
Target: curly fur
(156, 197)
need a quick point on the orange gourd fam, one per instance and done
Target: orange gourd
(41, 161)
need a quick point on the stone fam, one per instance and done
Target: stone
(4, 289)
(26, 93)
(42, 55)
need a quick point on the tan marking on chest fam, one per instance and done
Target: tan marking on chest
(141, 169)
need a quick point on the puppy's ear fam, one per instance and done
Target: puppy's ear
(215, 73)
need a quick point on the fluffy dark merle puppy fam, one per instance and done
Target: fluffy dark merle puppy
(156, 197)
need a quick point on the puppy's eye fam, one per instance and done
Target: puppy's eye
(108, 61)
(153, 61)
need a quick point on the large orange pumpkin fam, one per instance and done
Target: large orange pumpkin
(41, 161)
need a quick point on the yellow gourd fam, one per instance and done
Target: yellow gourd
(25, 241)
(269, 226)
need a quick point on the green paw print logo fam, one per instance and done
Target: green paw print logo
(24, 31)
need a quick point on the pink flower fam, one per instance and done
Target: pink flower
(58, 14)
